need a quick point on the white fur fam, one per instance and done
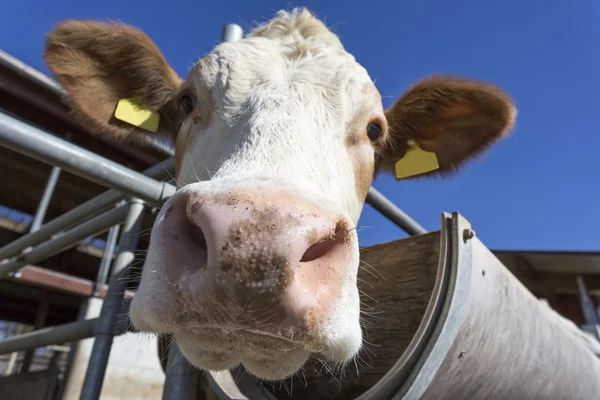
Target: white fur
(283, 98)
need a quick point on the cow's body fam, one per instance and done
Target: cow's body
(278, 136)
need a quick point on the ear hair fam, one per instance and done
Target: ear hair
(456, 119)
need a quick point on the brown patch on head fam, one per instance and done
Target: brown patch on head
(454, 118)
(100, 63)
(357, 139)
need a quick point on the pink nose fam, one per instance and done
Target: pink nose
(255, 260)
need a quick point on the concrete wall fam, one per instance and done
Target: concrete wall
(133, 371)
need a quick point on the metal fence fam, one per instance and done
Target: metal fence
(120, 211)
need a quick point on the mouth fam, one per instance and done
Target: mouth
(263, 355)
(289, 340)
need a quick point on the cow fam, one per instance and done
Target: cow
(278, 137)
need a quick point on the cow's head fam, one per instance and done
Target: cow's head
(278, 136)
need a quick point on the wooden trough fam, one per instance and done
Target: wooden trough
(448, 321)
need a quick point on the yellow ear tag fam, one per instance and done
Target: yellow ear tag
(129, 112)
(416, 161)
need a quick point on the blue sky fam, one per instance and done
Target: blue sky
(538, 190)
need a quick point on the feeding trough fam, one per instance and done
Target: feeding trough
(447, 321)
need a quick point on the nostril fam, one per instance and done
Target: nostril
(194, 231)
(325, 246)
(196, 235)
(191, 240)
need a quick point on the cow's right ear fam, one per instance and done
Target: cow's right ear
(103, 66)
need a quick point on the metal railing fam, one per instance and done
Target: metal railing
(119, 209)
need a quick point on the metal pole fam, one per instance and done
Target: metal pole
(587, 305)
(39, 79)
(107, 256)
(30, 74)
(70, 332)
(181, 382)
(80, 213)
(40, 213)
(12, 361)
(67, 240)
(40, 319)
(51, 389)
(73, 346)
(113, 306)
(231, 33)
(35, 143)
(393, 213)
(589, 312)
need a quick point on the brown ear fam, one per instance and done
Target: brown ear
(100, 63)
(454, 118)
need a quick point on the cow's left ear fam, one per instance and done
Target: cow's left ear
(442, 122)
(109, 70)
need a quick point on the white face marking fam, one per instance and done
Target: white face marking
(280, 115)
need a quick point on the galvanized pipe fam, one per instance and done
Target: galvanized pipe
(31, 74)
(80, 213)
(113, 306)
(33, 142)
(231, 33)
(393, 213)
(587, 305)
(40, 319)
(181, 382)
(69, 239)
(107, 256)
(40, 213)
(65, 333)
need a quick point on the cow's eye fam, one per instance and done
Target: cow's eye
(374, 131)
(188, 103)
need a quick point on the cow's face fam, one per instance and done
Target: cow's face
(254, 260)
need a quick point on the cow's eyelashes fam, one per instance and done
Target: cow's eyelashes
(188, 103)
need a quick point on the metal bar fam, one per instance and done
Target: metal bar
(83, 307)
(181, 382)
(113, 306)
(40, 213)
(40, 319)
(107, 256)
(393, 213)
(30, 74)
(52, 387)
(33, 142)
(47, 83)
(12, 361)
(69, 239)
(70, 332)
(592, 321)
(80, 213)
(231, 33)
